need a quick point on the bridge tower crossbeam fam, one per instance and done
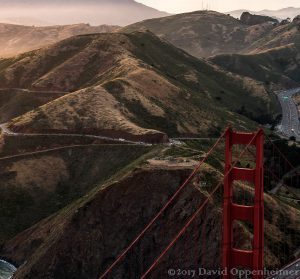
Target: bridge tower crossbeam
(254, 214)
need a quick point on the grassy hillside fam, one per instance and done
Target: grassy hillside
(201, 33)
(14, 102)
(36, 186)
(136, 80)
(279, 36)
(208, 33)
(16, 39)
(278, 66)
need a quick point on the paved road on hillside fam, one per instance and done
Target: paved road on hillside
(290, 125)
(292, 271)
(7, 131)
(34, 91)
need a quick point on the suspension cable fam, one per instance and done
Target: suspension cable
(198, 211)
(153, 220)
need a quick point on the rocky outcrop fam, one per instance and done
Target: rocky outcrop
(251, 19)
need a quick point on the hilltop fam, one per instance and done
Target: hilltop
(200, 33)
(141, 80)
(209, 33)
(16, 39)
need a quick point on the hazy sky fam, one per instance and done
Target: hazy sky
(177, 6)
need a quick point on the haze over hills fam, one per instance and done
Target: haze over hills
(116, 12)
(16, 39)
(289, 12)
(201, 33)
(27, 21)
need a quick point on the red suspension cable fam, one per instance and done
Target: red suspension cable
(191, 220)
(140, 235)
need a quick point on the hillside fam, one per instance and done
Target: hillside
(15, 102)
(94, 12)
(83, 239)
(16, 39)
(204, 33)
(125, 81)
(34, 186)
(278, 66)
(280, 36)
(208, 33)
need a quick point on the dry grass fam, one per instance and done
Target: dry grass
(17, 39)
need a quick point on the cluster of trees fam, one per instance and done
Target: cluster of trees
(289, 20)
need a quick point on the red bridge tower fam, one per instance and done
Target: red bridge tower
(254, 214)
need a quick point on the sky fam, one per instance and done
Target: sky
(179, 6)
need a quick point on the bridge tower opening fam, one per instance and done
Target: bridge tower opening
(254, 214)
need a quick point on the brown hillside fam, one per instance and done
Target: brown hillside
(16, 39)
(277, 67)
(209, 33)
(150, 82)
(204, 33)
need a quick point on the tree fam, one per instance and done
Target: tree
(297, 18)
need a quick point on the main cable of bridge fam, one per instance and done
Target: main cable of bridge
(163, 209)
(197, 212)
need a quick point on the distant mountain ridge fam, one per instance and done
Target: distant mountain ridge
(290, 12)
(61, 2)
(112, 12)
